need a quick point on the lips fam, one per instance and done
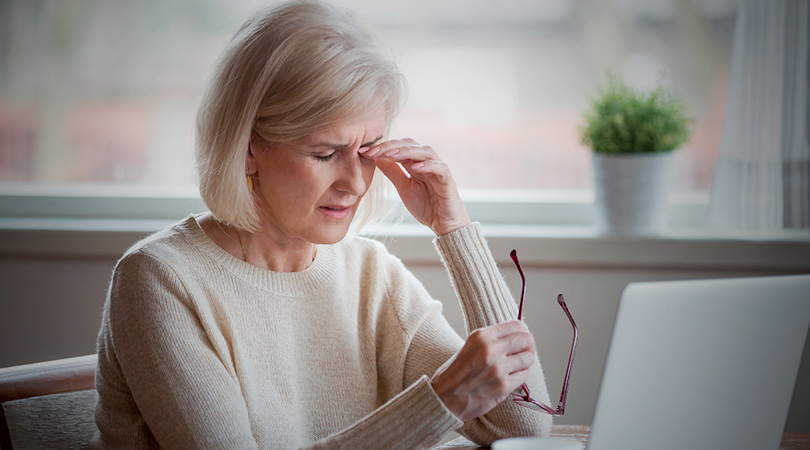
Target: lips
(336, 211)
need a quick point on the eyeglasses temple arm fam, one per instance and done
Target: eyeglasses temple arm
(561, 300)
(513, 254)
(564, 394)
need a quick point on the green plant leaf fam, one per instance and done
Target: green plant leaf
(621, 120)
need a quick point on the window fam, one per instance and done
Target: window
(100, 92)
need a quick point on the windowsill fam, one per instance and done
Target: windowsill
(540, 245)
(549, 229)
(583, 246)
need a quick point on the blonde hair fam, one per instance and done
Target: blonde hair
(288, 72)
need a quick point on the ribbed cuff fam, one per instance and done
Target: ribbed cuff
(485, 298)
(414, 419)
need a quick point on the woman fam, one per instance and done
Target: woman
(258, 325)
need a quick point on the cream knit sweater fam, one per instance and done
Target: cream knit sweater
(199, 349)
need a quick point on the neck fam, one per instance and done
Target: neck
(261, 249)
(271, 254)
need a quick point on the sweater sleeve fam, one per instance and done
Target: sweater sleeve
(414, 419)
(485, 300)
(159, 379)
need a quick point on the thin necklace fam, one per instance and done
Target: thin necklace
(244, 255)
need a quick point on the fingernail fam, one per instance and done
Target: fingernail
(392, 152)
(372, 152)
(418, 165)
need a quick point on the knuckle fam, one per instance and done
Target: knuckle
(480, 335)
(518, 324)
(525, 337)
(527, 359)
(532, 344)
(489, 357)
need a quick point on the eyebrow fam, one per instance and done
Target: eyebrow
(340, 146)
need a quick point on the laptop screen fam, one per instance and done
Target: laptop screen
(702, 364)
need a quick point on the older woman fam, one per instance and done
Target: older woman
(261, 324)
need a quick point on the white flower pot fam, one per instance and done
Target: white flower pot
(631, 193)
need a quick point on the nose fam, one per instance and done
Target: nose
(352, 178)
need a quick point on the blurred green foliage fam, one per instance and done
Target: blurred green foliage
(622, 120)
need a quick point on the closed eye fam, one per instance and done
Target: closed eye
(325, 158)
(336, 147)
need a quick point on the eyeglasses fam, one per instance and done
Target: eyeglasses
(524, 397)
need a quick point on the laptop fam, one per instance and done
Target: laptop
(702, 364)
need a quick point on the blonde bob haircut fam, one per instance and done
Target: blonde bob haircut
(288, 72)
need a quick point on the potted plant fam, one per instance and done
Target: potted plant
(632, 135)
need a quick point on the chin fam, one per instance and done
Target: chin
(327, 236)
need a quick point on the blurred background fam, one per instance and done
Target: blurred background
(98, 98)
(101, 92)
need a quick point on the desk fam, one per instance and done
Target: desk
(790, 441)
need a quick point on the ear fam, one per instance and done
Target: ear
(251, 165)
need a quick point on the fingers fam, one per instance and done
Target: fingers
(395, 146)
(414, 157)
(498, 354)
(423, 181)
(510, 343)
(493, 362)
(507, 328)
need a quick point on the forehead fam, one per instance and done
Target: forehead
(360, 127)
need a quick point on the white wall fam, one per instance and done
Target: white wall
(52, 287)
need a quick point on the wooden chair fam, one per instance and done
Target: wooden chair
(48, 405)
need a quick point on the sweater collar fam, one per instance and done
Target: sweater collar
(318, 276)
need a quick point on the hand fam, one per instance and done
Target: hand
(492, 363)
(426, 186)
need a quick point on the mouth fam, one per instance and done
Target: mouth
(336, 211)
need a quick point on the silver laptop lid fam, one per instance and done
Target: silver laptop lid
(704, 364)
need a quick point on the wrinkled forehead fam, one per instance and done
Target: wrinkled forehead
(363, 127)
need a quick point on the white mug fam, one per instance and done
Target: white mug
(535, 443)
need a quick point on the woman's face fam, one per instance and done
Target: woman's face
(309, 189)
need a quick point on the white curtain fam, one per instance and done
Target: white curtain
(761, 180)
